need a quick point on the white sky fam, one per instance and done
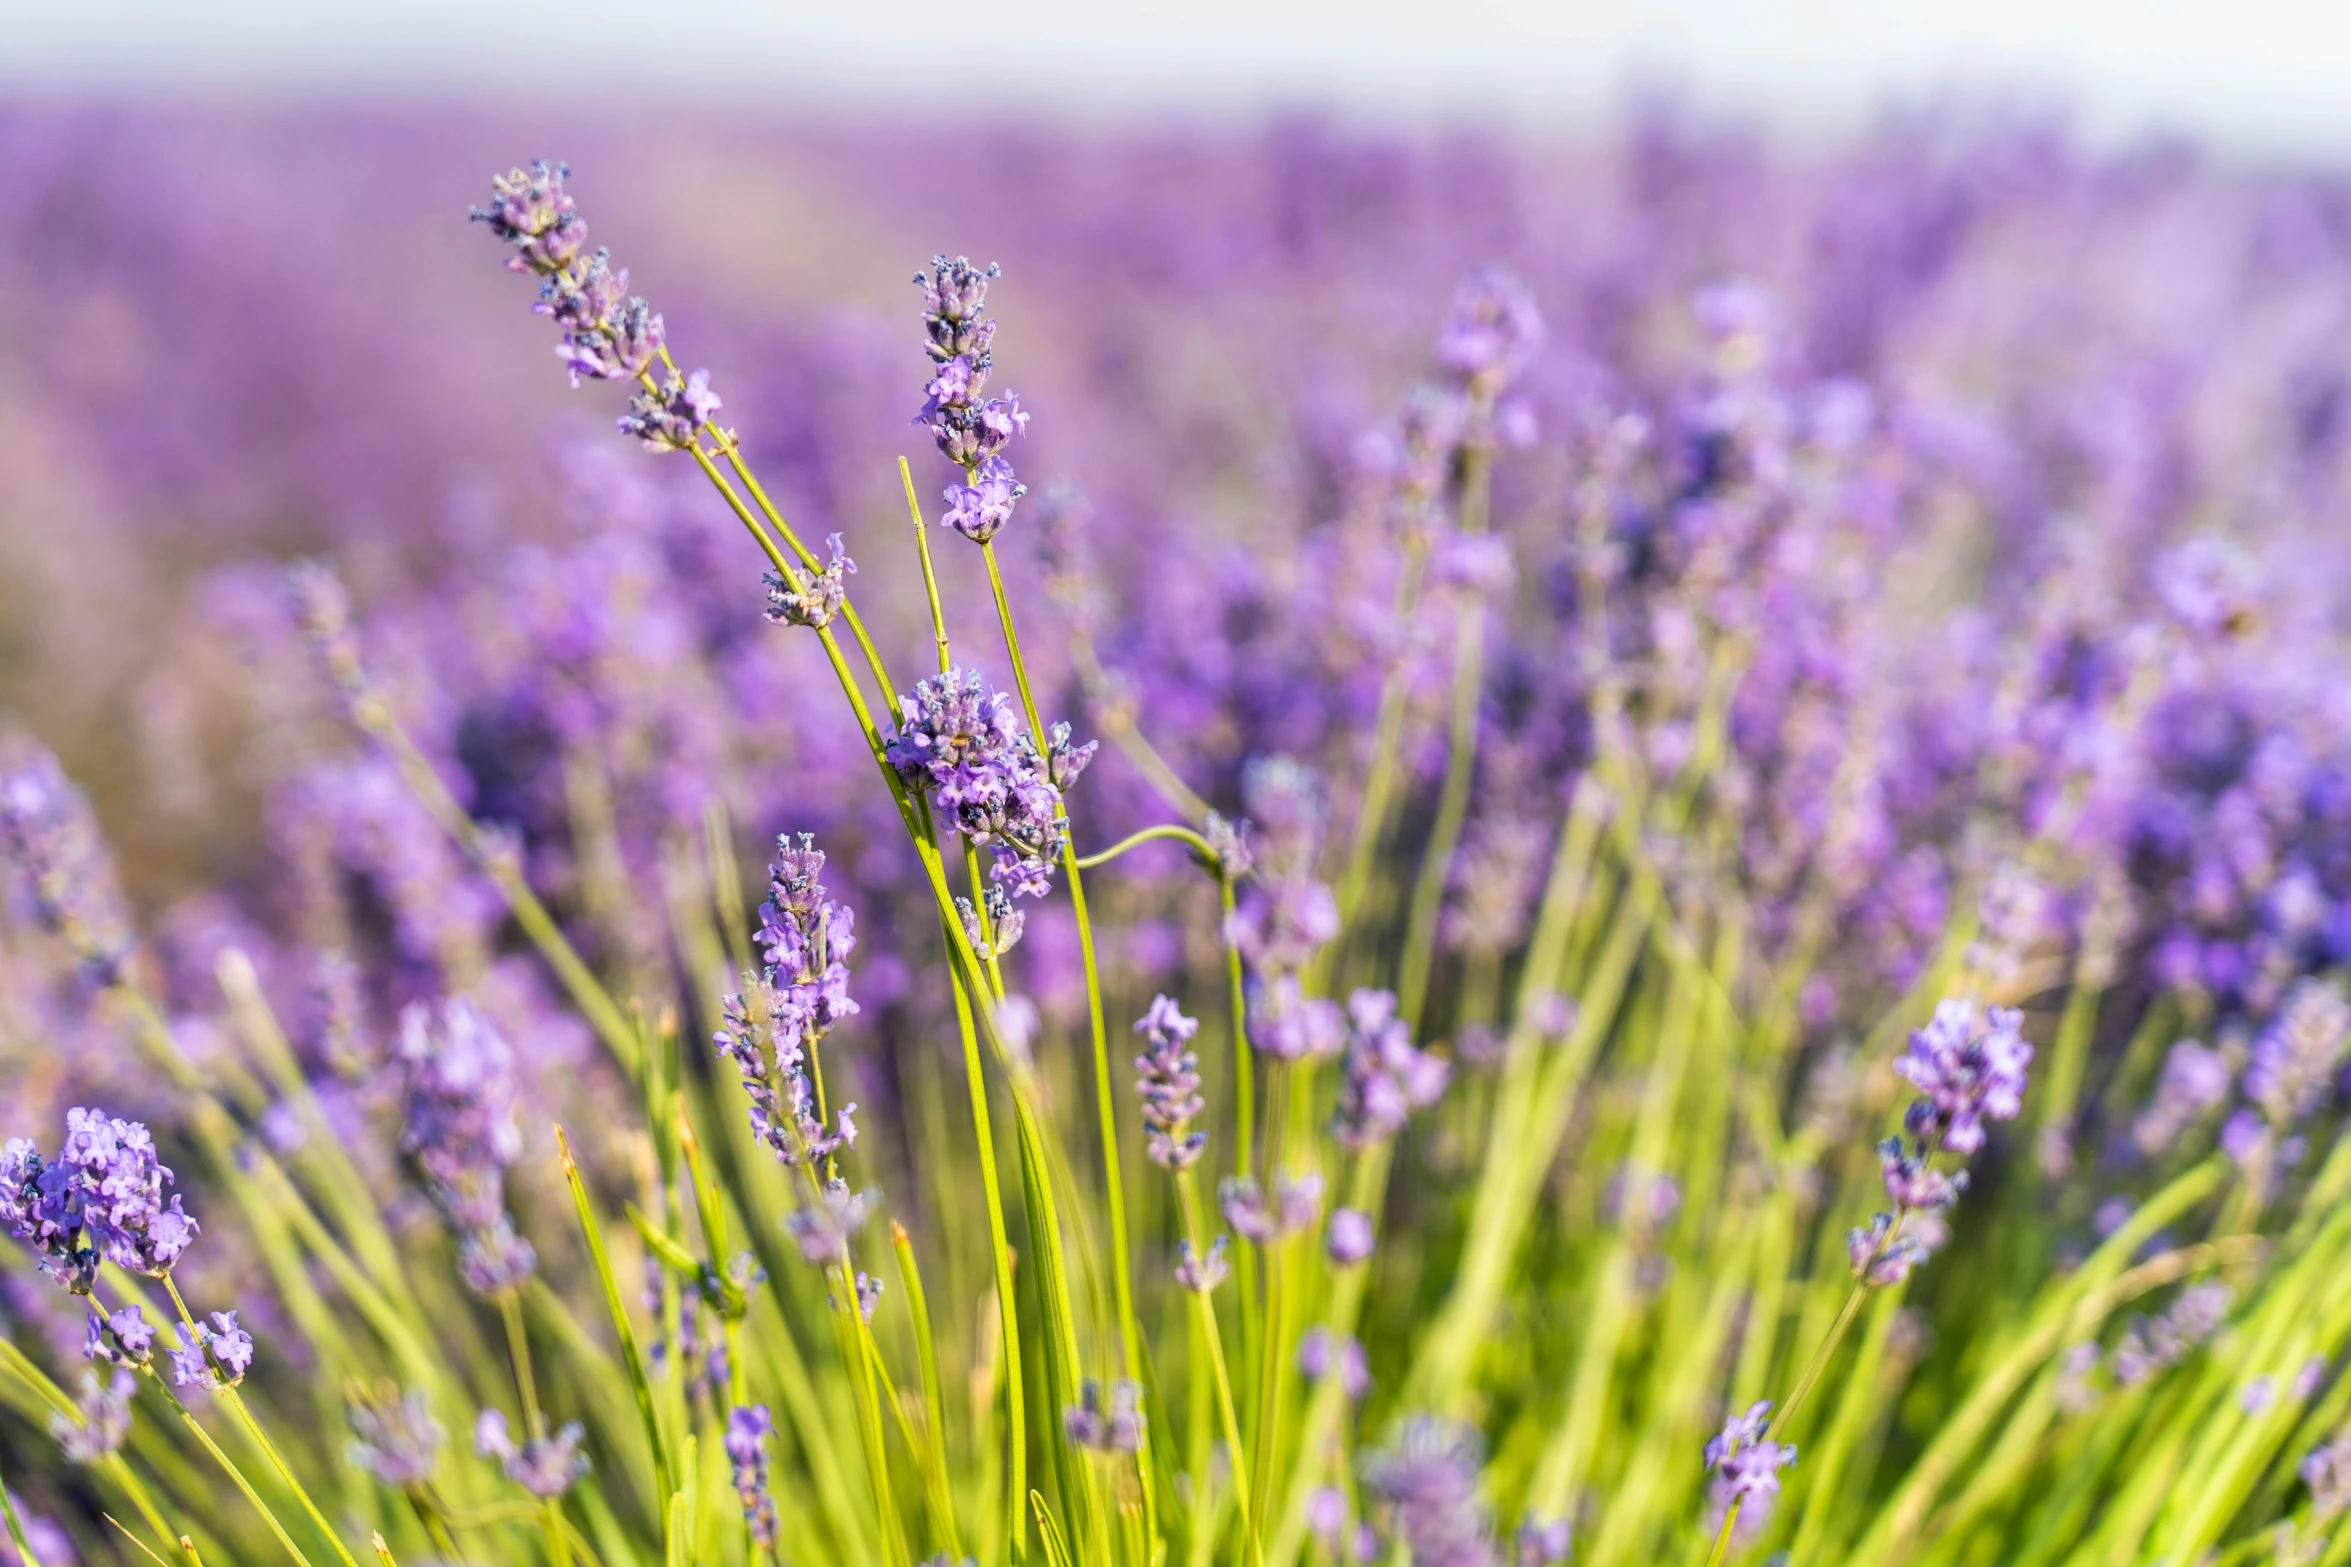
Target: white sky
(2258, 75)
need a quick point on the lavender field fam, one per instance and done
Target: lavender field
(1627, 850)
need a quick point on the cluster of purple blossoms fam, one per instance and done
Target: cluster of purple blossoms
(1167, 1076)
(457, 1105)
(1384, 1076)
(1111, 1423)
(62, 871)
(2149, 1344)
(545, 1466)
(1285, 915)
(1200, 1272)
(774, 1027)
(1426, 1493)
(971, 427)
(1294, 1206)
(1969, 1065)
(748, 1426)
(1492, 330)
(101, 1420)
(99, 1199)
(818, 596)
(396, 1440)
(1349, 1239)
(823, 1228)
(2298, 1058)
(122, 1339)
(609, 334)
(1319, 1354)
(2327, 1471)
(1746, 1466)
(218, 1353)
(965, 746)
(2195, 1078)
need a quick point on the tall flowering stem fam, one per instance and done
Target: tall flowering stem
(1969, 1064)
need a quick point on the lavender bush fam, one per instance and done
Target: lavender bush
(1694, 908)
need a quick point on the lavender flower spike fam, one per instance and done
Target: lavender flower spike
(1971, 1068)
(819, 596)
(1746, 1466)
(457, 1103)
(1167, 1076)
(1114, 1425)
(101, 1198)
(1386, 1078)
(1426, 1487)
(608, 333)
(746, 1443)
(103, 1419)
(964, 745)
(545, 1466)
(51, 845)
(396, 1441)
(971, 428)
(784, 1012)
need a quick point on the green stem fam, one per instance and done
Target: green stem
(934, 1399)
(1204, 1315)
(1436, 866)
(983, 1134)
(1105, 1104)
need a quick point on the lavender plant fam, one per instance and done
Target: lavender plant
(1537, 865)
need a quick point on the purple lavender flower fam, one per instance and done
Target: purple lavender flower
(1200, 1274)
(1971, 1068)
(784, 1012)
(58, 861)
(1289, 1025)
(100, 1198)
(1541, 1542)
(1295, 1205)
(980, 509)
(1114, 1425)
(102, 1419)
(213, 1345)
(971, 428)
(672, 418)
(2194, 1079)
(1167, 1077)
(1881, 1256)
(1005, 923)
(457, 1110)
(2327, 1472)
(1349, 1240)
(964, 745)
(530, 210)
(1426, 1489)
(819, 596)
(1746, 1466)
(608, 333)
(1319, 1355)
(122, 1339)
(1492, 330)
(545, 1466)
(1386, 1078)
(397, 1441)
(748, 1426)
(2298, 1057)
(823, 1228)
(1911, 1182)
